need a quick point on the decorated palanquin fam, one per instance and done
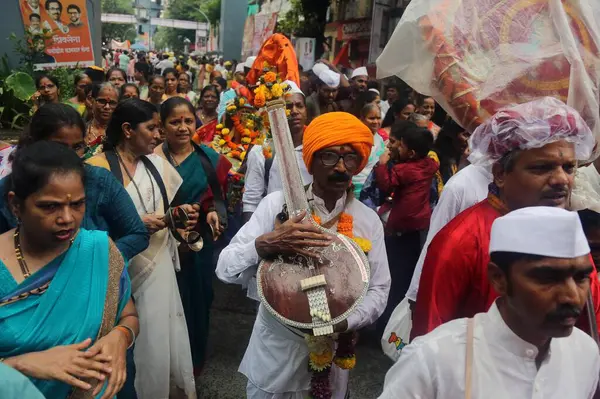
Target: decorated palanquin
(476, 56)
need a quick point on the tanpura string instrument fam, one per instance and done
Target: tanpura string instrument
(299, 291)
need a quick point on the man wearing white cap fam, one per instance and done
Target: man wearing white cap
(248, 64)
(323, 100)
(532, 150)
(526, 345)
(358, 84)
(262, 175)
(359, 79)
(239, 75)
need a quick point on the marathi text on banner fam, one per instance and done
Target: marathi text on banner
(59, 29)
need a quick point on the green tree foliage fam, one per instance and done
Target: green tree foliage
(119, 32)
(307, 18)
(188, 10)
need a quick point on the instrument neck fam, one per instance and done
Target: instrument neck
(293, 186)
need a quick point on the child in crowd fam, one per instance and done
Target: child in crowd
(405, 173)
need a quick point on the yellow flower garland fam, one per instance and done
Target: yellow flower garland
(345, 227)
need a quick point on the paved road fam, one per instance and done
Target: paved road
(231, 324)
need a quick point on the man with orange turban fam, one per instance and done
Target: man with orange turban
(336, 146)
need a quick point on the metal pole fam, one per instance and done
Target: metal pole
(207, 38)
(150, 35)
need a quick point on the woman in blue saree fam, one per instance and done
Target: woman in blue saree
(108, 206)
(195, 277)
(66, 317)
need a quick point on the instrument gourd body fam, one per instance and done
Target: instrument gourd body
(309, 293)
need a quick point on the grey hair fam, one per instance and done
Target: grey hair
(96, 89)
(415, 117)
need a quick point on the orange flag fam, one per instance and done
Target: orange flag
(279, 52)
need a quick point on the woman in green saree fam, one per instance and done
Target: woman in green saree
(66, 317)
(195, 278)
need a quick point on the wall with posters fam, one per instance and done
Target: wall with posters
(64, 28)
(305, 51)
(257, 29)
(12, 22)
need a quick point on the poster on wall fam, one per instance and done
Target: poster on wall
(257, 29)
(201, 41)
(305, 50)
(60, 30)
(248, 37)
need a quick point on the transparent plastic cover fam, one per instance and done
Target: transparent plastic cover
(477, 56)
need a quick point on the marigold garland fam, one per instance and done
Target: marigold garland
(345, 358)
(244, 132)
(345, 227)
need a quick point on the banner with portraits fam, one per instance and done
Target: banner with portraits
(59, 30)
(305, 50)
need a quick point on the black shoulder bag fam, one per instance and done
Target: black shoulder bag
(115, 168)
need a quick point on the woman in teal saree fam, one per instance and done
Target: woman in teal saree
(66, 318)
(196, 274)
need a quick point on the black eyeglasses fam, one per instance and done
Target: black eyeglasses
(104, 102)
(329, 158)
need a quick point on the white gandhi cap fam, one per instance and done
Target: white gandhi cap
(294, 89)
(540, 230)
(362, 71)
(239, 68)
(330, 78)
(319, 67)
(249, 62)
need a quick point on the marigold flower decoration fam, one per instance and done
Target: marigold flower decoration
(244, 130)
(270, 86)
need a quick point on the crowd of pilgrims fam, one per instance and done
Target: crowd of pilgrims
(145, 142)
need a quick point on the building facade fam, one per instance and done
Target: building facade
(358, 30)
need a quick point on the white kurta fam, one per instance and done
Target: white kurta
(466, 188)
(376, 151)
(276, 360)
(162, 351)
(433, 366)
(254, 181)
(592, 175)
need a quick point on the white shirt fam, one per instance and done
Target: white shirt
(164, 64)
(592, 175)
(385, 107)
(376, 151)
(433, 366)
(276, 358)
(254, 181)
(466, 188)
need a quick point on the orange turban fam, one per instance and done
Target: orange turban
(333, 129)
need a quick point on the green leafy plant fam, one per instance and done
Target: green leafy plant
(15, 96)
(17, 86)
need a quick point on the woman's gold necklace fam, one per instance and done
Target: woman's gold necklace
(19, 253)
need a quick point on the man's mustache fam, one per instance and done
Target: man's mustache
(563, 312)
(557, 191)
(339, 177)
